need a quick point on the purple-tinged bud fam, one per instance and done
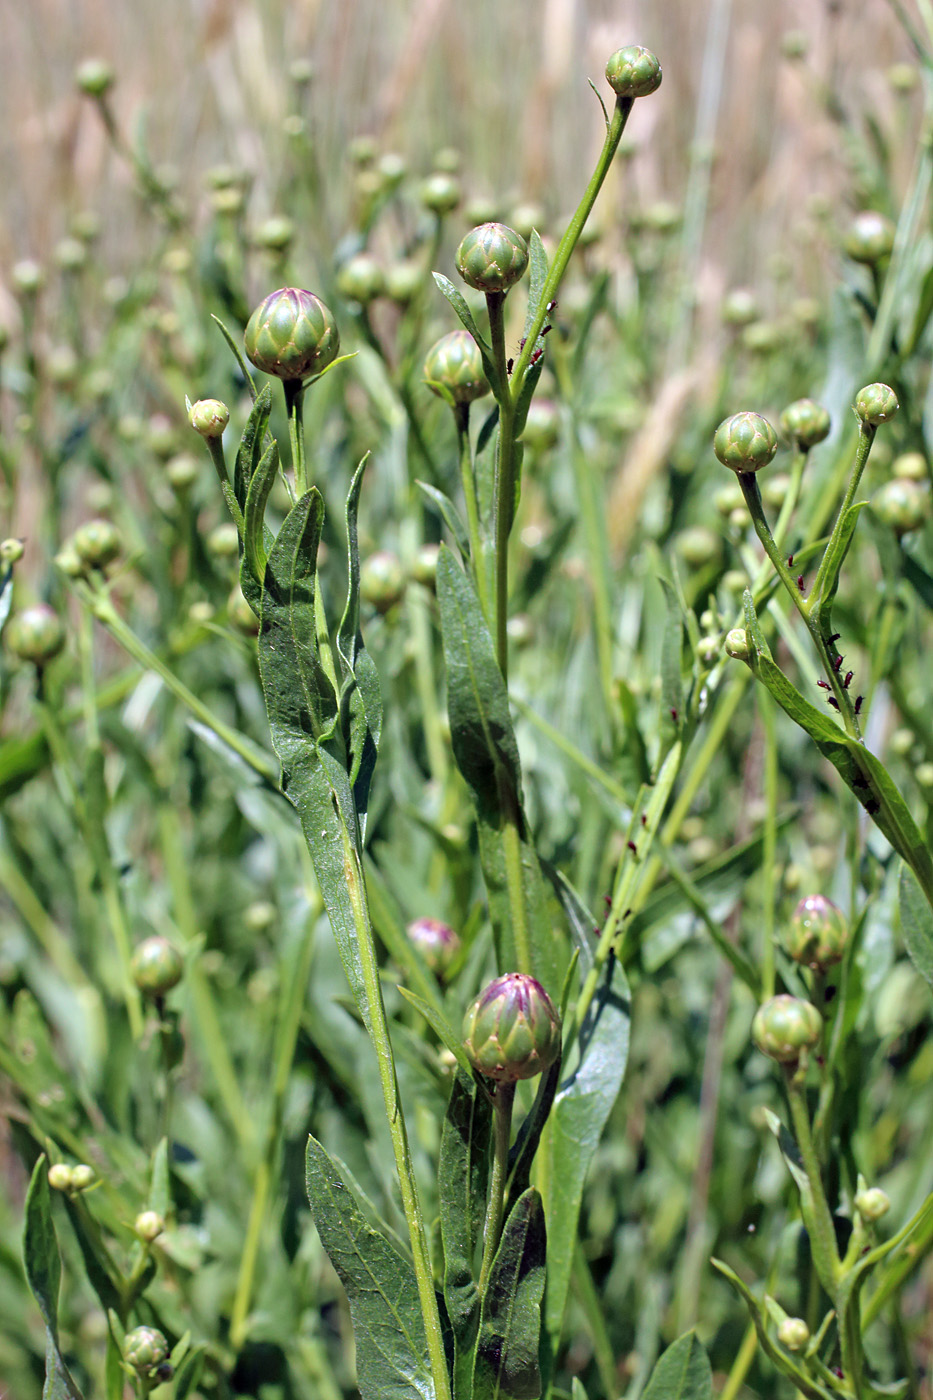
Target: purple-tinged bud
(157, 966)
(209, 417)
(806, 422)
(786, 1027)
(793, 1333)
(437, 943)
(872, 1203)
(818, 933)
(144, 1349)
(492, 258)
(746, 442)
(455, 362)
(292, 335)
(36, 634)
(633, 72)
(97, 543)
(511, 1031)
(876, 403)
(903, 504)
(870, 238)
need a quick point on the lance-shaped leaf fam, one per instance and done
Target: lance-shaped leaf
(507, 1362)
(463, 1171)
(672, 693)
(682, 1373)
(916, 924)
(44, 1273)
(459, 304)
(581, 1109)
(449, 514)
(391, 1349)
(360, 696)
(252, 444)
(255, 535)
(833, 560)
(537, 276)
(487, 755)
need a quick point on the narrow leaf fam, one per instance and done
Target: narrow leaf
(361, 696)
(254, 533)
(44, 1273)
(682, 1373)
(916, 924)
(450, 516)
(507, 1365)
(238, 356)
(441, 1027)
(252, 442)
(537, 259)
(833, 559)
(463, 1171)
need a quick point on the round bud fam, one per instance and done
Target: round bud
(737, 644)
(740, 307)
(440, 193)
(403, 280)
(424, 567)
(96, 543)
(793, 1333)
(698, 545)
(60, 1177)
(437, 943)
(911, 466)
(95, 77)
(260, 915)
(903, 504)
(361, 279)
(393, 169)
(524, 218)
(382, 580)
(276, 235)
(11, 551)
(157, 966)
(728, 499)
(511, 1031)
(806, 422)
(182, 472)
(876, 403)
(209, 417)
(455, 361)
(70, 254)
(633, 72)
(82, 1176)
(36, 634)
(542, 426)
(27, 277)
(870, 238)
(291, 334)
(223, 542)
(240, 615)
(746, 442)
(785, 1027)
(492, 258)
(707, 650)
(872, 1204)
(148, 1225)
(144, 1349)
(818, 933)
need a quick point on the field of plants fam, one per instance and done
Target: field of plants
(466, 753)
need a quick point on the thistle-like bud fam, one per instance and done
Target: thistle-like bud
(903, 504)
(97, 543)
(437, 943)
(148, 1226)
(818, 933)
(209, 417)
(361, 279)
(157, 966)
(455, 362)
(82, 1176)
(440, 193)
(737, 644)
(870, 238)
(746, 442)
(144, 1349)
(806, 422)
(382, 580)
(60, 1176)
(633, 72)
(511, 1031)
(95, 77)
(793, 1333)
(291, 334)
(872, 1203)
(36, 634)
(785, 1027)
(876, 403)
(492, 258)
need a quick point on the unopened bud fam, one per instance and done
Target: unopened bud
(11, 551)
(440, 193)
(82, 1176)
(818, 933)
(96, 543)
(492, 258)
(793, 1333)
(95, 77)
(455, 362)
(382, 580)
(157, 966)
(737, 644)
(144, 1349)
(209, 417)
(870, 238)
(746, 442)
(60, 1177)
(785, 1027)
(876, 403)
(872, 1203)
(148, 1225)
(903, 504)
(511, 1031)
(806, 422)
(437, 943)
(633, 72)
(292, 335)
(36, 634)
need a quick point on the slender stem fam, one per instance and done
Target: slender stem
(503, 1104)
(468, 480)
(294, 404)
(820, 1222)
(505, 475)
(866, 437)
(769, 842)
(741, 1365)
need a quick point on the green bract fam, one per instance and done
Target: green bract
(746, 442)
(36, 634)
(633, 72)
(511, 1031)
(785, 1027)
(818, 933)
(492, 258)
(145, 1348)
(876, 403)
(805, 421)
(291, 334)
(455, 362)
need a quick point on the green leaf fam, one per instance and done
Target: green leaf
(252, 443)
(537, 259)
(441, 1027)
(255, 535)
(462, 1175)
(465, 315)
(833, 559)
(672, 644)
(585, 1098)
(160, 1198)
(450, 516)
(44, 1273)
(812, 1389)
(360, 696)
(682, 1373)
(579, 919)
(507, 1362)
(391, 1348)
(916, 924)
(238, 356)
(188, 1374)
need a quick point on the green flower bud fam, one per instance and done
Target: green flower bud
(82, 1176)
(382, 580)
(911, 466)
(633, 72)
(903, 77)
(148, 1225)
(95, 77)
(260, 915)
(542, 426)
(903, 504)
(818, 933)
(157, 966)
(60, 1177)
(440, 193)
(793, 1333)
(872, 1203)
(728, 499)
(97, 543)
(492, 258)
(437, 943)
(240, 615)
(276, 234)
(806, 422)
(785, 1027)
(361, 279)
(27, 277)
(404, 280)
(876, 403)
(447, 158)
(746, 442)
(524, 218)
(36, 634)
(870, 238)
(12, 551)
(70, 254)
(707, 650)
(392, 168)
(740, 307)
(144, 1349)
(455, 361)
(424, 568)
(698, 545)
(291, 334)
(511, 1030)
(223, 542)
(209, 417)
(182, 471)
(737, 644)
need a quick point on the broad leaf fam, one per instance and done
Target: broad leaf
(391, 1349)
(507, 1364)
(916, 924)
(463, 1171)
(682, 1373)
(44, 1274)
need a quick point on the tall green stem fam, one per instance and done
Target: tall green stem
(502, 1134)
(294, 404)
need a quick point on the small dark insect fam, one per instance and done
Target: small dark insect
(835, 637)
(674, 715)
(833, 701)
(536, 357)
(545, 329)
(871, 807)
(632, 847)
(626, 914)
(607, 900)
(521, 343)
(597, 931)
(644, 819)
(508, 366)
(823, 685)
(551, 306)
(838, 662)
(800, 582)
(858, 704)
(848, 680)
(830, 993)
(790, 561)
